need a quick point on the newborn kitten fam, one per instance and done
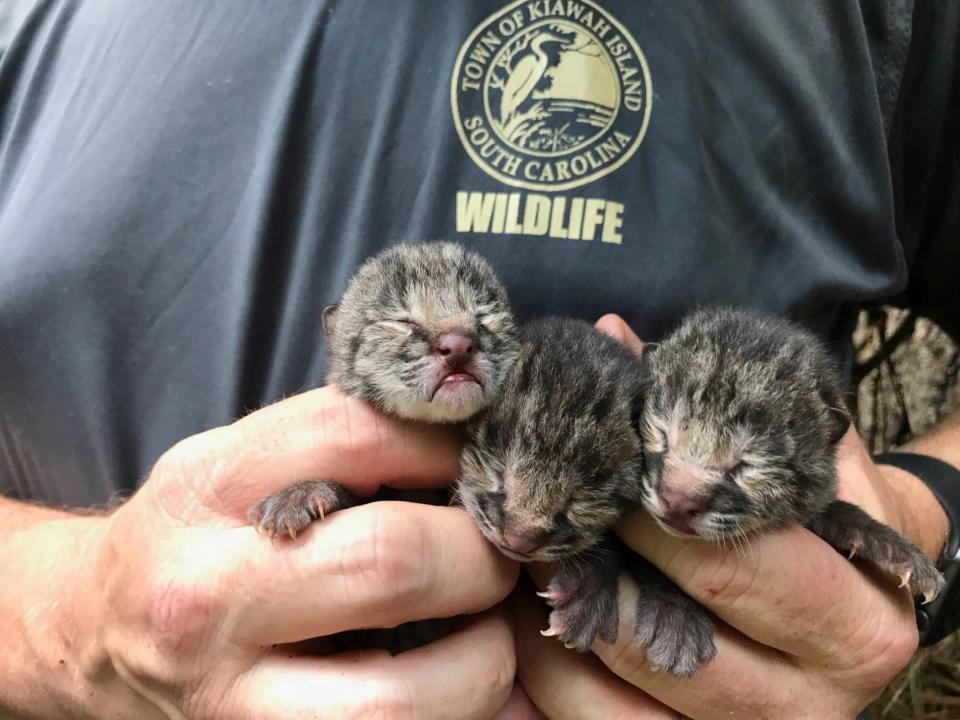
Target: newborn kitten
(740, 431)
(549, 468)
(423, 332)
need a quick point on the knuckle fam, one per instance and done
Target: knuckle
(492, 678)
(876, 651)
(496, 678)
(213, 700)
(353, 430)
(184, 458)
(722, 581)
(387, 553)
(179, 614)
(392, 700)
(197, 467)
(893, 647)
(626, 659)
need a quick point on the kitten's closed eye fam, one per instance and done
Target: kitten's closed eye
(491, 502)
(656, 439)
(731, 474)
(401, 327)
(494, 321)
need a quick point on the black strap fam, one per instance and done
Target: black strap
(941, 617)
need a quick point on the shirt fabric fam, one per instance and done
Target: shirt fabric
(185, 185)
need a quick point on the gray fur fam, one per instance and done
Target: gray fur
(744, 412)
(556, 457)
(393, 311)
(747, 408)
(557, 460)
(382, 336)
(743, 409)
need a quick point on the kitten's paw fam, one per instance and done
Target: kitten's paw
(905, 561)
(581, 615)
(924, 579)
(675, 630)
(291, 510)
(582, 611)
(852, 532)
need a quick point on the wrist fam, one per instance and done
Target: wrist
(50, 610)
(921, 517)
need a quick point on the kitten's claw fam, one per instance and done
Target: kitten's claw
(544, 594)
(549, 632)
(584, 608)
(293, 509)
(851, 531)
(928, 582)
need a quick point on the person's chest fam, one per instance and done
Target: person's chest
(185, 204)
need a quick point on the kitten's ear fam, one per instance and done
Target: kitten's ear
(839, 415)
(841, 422)
(639, 400)
(329, 321)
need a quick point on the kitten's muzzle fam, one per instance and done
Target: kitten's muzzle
(519, 544)
(456, 349)
(679, 510)
(454, 356)
(523, 547)
(464, 383)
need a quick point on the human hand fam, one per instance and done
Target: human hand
(194, 607)
(802, 632)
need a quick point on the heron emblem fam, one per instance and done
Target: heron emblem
(550, 95)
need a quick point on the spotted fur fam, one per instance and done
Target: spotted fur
(396, 307)
(556, 460)
(382, 335)
(745, 412)
(746, 408)
(556, 457)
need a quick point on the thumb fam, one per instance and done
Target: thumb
(614, 326)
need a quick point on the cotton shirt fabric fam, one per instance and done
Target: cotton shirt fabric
(185, 185)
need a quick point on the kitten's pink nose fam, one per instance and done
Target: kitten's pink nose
(455, 348)
(680, 504)
(522, 544)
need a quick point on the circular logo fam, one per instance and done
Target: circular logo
(550, 95)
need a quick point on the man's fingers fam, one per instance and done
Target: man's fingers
(381, 564)
(786, 589)
(744, 679)
(519, 706)
(567, 685)
(322, 434)
(468, 674)
(615, 327)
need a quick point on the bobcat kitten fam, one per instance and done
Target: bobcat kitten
(740, 433)
(423, 332)
(740, 430)
(549, 468)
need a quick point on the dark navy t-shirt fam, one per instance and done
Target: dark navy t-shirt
(185, 185)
